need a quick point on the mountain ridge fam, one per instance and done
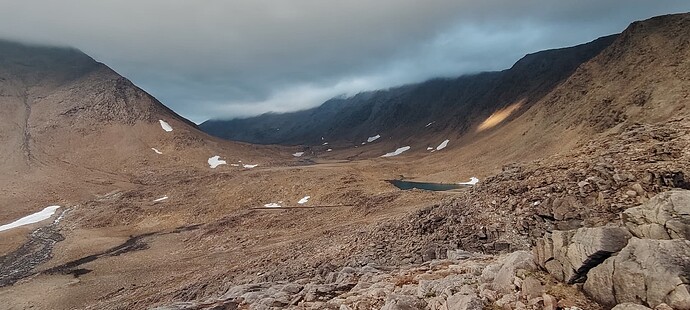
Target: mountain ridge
(446, 94)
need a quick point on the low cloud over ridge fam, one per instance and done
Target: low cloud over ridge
(224, 59)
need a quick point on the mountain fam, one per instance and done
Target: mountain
(75, 127)
(451, 104)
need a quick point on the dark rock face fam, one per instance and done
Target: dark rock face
(448, 103)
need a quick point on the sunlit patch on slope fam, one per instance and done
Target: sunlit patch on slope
(499, 116)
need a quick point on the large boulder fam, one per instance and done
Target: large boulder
(504, 279)
(665, 216)
(569, 255)
(646, 271)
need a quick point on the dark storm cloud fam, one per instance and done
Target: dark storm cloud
(223, 58)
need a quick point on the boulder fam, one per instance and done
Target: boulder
(464, 302)
(504, 279)
(665, 216)
(645, 271)
(630, 306)
(403, 302)
(532, 288)
(569, 255)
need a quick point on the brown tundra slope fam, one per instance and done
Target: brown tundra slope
(563, 175)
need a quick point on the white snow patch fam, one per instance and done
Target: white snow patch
(396, 152)
(298, 154)
(429, 124)
(161, 199)
(442, 145)
(363, 143)
(250, 166)
(33, 218)
(272, 205)
(165, 125)
(429, 148)
(304, 200)
(235, 165)
(325, 143)
(472, 181)
(374, 138)
(157, 151)
(215, 161)
(329, 150)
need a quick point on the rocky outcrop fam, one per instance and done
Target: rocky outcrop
(471, 282)
(569, 255)
(666, 216)
(646, 271)
(646, 262)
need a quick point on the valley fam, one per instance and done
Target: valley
(555, 166)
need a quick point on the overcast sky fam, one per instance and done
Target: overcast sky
(231, 58)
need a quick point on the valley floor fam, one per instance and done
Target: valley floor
(363, 243)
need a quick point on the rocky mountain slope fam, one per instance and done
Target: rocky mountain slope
(450, 104)
(74, 128)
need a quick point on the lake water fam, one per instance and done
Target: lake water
(407, 185)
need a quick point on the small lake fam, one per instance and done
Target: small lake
(407, 185)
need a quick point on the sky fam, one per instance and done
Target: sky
(222, 59)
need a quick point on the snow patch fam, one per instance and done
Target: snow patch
(396, 152)
(329, 150)
(157, 151)
(429, 148)
(165, 125)
(298, 154)
(33, 218)
(472, 181)
(272, 205)
(442, 145)
(325, 143)
(235, 165)
(161, 199)
(429, 124)
(215, 161)
(250, 166)
(304, 200)
(374, 138)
